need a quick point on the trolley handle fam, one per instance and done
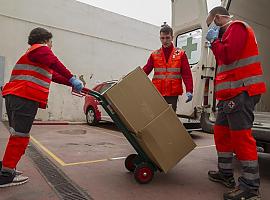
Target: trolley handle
(86, 91)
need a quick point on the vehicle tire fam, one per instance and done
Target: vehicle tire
(91, 117)
(144, 173)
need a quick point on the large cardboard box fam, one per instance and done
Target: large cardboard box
(152, 121)
(136, 100)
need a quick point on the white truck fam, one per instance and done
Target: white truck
(188, 22)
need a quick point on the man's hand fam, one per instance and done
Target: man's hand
(189, 97)
(76, 84)
(212, 33)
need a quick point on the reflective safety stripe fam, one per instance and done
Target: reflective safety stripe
(7, 169)
(173, 70)
(33, 68)
(251, 176)
(160, 69)
(30, 78)
(15, 133)
(242, 82)
(249, 163)
(167, 69)
(239, 63)
(225, 154)
(250, 169)
(170, 76)
(225, 165)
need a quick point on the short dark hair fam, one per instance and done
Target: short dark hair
(38, 36)
(219, 11)
(166, 29)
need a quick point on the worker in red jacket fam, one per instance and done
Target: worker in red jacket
(238, 87)
(28, 90)
(170, 66)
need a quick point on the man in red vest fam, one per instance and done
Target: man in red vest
(238, 87)
(170, 66)
(28, 90)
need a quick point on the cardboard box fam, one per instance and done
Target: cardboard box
(165, 140)
(155, 125)
(136, 100)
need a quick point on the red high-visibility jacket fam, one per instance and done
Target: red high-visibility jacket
(30, 80)
(242, 74)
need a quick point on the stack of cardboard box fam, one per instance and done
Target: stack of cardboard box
(153, 122)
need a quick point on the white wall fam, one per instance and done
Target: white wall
(87, 40)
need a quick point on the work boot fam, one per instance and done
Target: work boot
(216, 176)
(16, 171)
(11, 179)
(238, 194)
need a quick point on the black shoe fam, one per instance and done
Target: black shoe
(238, 194)
(9, 179)
(216, 176)
(17, 172)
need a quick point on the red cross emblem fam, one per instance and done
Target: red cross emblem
(231, 104)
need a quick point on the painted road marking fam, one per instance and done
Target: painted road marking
(62, 163)
(86, 162)
(118, 158)
(56, 158)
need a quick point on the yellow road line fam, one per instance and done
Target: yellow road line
(57, 159)
(95, 161)
(86, 162)
(62, 163)
(118, 158)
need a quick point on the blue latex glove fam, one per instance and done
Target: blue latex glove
(189, 97)
(76, 84)
(212, 33)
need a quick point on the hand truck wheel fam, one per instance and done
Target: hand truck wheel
(129, 162)
(144, 173)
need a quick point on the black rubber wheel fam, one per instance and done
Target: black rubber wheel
(91, 117)
(129, 162)
(144, 173)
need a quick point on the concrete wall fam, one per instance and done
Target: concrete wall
(2, 71)
(88, 40)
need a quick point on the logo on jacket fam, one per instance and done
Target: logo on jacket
(231, 104)
(177, 52)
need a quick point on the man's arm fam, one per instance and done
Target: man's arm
(149, 66)
(44, 55)
(57, 78)
(186, 74)
(229, 49)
